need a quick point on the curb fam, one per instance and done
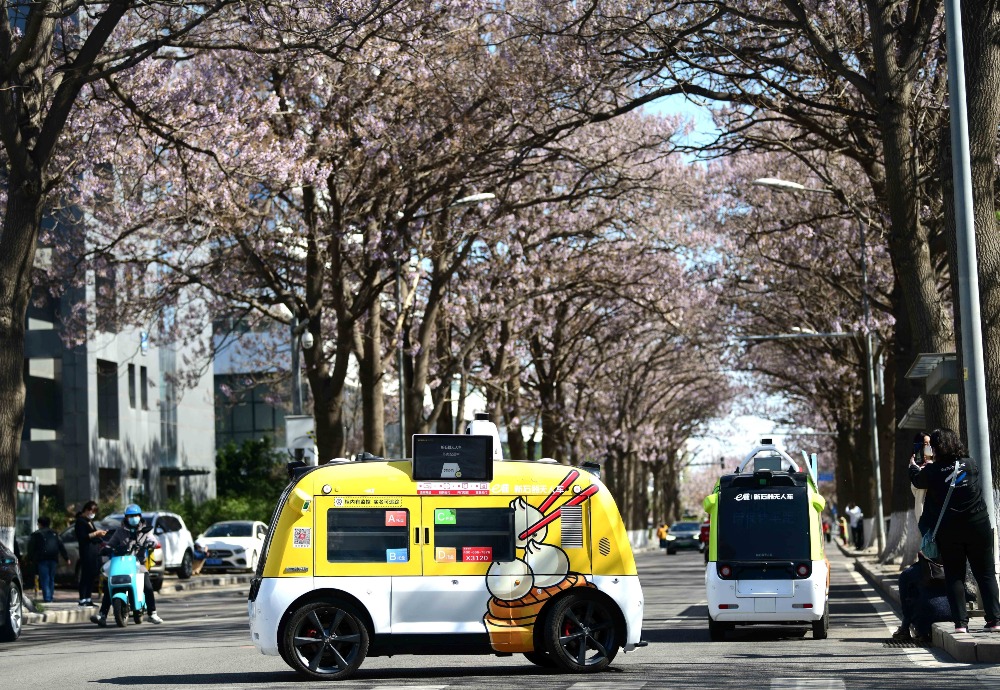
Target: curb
(962, 647)
(82, 614)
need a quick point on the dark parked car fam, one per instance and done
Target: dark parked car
(11, 587)
(684, 535)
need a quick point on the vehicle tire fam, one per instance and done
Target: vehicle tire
(580, 634)
(137, 618)
(324, 640)
(187, 566)
(716, 630)
(821, 628)
(540, 659)
(11, 608)
(157, 583)
(671, 552)
(120, 611)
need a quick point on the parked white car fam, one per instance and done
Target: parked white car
(173, 537)
(233, 544)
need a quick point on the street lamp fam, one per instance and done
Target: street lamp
(464, 201)
(307, 341)
(787, 186)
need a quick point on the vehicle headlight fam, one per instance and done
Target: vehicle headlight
(671, 537)
(238, 550)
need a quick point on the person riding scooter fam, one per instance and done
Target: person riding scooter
(129, 536)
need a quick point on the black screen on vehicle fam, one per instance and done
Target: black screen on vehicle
(763, 523)
(453, 457)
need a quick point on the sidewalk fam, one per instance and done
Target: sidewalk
(65, 609)
(972, 647)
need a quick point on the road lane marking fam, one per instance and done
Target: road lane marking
(606, 685)
(807, 684)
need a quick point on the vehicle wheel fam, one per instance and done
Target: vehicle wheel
(716, 630)
(671, 552)
(580, 634)
(187, 566)
(121, 612)
(540, 659)
(157, 584)
(11, 603)
(821, 628)
(137, 618)
(324, 640)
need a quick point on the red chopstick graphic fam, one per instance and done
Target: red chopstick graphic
(558, 491)
(554, 515)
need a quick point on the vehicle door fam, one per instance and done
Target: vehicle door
(167, 530)
(461, 538)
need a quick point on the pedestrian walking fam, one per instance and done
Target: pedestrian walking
(88, 537)
(857, 520)
(661, 534)
(44, 549)
(955, 499)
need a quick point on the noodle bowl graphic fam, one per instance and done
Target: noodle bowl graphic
(521, 587)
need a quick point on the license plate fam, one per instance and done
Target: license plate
(213, 561)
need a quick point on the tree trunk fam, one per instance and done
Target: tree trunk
(370, 376)
(17, 254)
(328, 393)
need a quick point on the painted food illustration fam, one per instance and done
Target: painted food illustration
(521, 587)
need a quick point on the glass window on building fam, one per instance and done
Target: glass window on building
(131, 386)
(107, 399)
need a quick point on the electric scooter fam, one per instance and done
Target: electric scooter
(126, 582)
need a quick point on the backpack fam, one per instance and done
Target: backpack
(46, 545)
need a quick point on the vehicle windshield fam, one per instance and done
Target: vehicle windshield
(763, 523)
(685, 527)
(230, 530)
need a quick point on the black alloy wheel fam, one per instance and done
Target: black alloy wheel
(325, 641)
(11, 603)
(581, 635)
(716, 630)
(187, 566)
(821, 628)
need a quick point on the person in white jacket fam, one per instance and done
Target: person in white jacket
(856, 520)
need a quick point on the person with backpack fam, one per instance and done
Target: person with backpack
(44, 548)
(955, 501)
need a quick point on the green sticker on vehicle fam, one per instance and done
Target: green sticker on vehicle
(444, 516)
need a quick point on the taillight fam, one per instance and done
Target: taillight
(729, 606)
(803, 569)
(725, 571)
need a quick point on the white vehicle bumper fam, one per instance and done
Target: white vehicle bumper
(767, 601)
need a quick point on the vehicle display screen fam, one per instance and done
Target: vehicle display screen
(763, 523)
(456, 457)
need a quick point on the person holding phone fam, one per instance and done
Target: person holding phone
(922, 454)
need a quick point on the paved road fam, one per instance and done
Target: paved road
(205, 643)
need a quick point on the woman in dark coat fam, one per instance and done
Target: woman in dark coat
(88, 537)
(964, 532)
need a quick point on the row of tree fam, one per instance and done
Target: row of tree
(289, 164)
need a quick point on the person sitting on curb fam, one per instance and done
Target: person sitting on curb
(923, 601)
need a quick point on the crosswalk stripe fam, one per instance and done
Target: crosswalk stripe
(606, 685)
(807, 684)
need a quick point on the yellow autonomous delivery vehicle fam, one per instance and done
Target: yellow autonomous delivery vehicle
(766, 562)
(456, 552)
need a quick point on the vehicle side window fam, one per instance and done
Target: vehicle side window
(367, 535)
(473, 534)
(170, 524)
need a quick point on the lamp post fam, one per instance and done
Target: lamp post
(787, 186)
(306, 341)
(464, 201)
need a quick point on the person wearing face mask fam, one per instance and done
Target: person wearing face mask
(131, 536)
(88, 537)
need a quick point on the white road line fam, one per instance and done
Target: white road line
(605, 685)
(928, 657)
(807, 684)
